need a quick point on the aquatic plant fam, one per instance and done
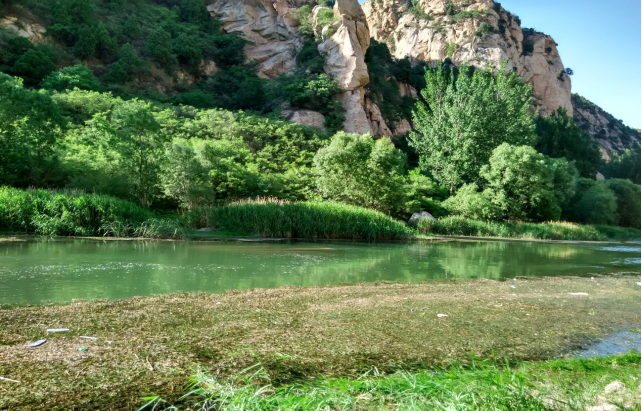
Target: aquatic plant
(552, 230)
(72, 212)
(271, 217)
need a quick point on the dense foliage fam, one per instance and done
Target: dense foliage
(76, 213)
(465, 117)
(149, 102)
(560, 137)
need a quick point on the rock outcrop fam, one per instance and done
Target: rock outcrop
(270, 26)
(610, 133)
(344, 53)
(305, 117)
(480, 32)
(24, 27)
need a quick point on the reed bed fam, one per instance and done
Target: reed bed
(74, 213)
(553, 230)
(269, 217)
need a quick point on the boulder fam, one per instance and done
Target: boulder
(305, 117)
(414, 219)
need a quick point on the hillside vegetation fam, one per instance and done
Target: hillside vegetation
(114, 104)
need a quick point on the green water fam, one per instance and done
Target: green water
(38, 270)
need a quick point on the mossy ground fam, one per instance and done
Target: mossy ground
(151, 344)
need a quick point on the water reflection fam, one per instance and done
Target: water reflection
(49, 269)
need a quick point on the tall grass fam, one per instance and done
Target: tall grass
(278, 218)
(76, 213)
(554, 230)
(572, 384)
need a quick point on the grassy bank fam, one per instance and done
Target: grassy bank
(460, 226)
(76, 213)
(565, 384)
(274, 218)
(149, 345)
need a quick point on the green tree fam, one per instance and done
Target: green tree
(131, 29)
(33, 67)
(593, 203)
(198, 172)
(134, 132)
(526, 185)
(560, 137)
(30, 126)
(71, 77)
(357, 170)
(128, 65)
(465, 117)
(628, 201)
(195, 11)
(159, 47)
(86, 45)
(625, 165)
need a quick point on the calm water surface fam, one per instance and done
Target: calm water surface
(38, 270)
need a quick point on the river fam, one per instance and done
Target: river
(36, 270)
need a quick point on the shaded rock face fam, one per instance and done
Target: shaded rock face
(611, 135)
(270, 26)
(24, 27)
(305, 117)
(534, 56)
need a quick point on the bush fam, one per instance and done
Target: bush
(358, 170)
(270, 218)
(469, 203)
(526, 185)
(72, 77)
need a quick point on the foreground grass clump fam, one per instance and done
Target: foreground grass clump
(149, 345)
(567, 384)
(558, 230)
(77, 213)
(277, 218)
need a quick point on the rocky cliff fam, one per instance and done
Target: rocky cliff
(610, 133)
(479, 32)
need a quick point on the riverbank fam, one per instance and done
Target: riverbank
(150, 345)
(553, 230)
(482, 385)
(70, 213)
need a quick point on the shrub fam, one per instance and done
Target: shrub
(72, 77)
(470, 203)
(357, 170)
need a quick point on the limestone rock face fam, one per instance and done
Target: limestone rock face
(378, 125)
(344, 53)
(533, 55)
(24, 27)
(345, 50)
(609, 132)
(356, 119)
(305, 117)
(270, 26)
